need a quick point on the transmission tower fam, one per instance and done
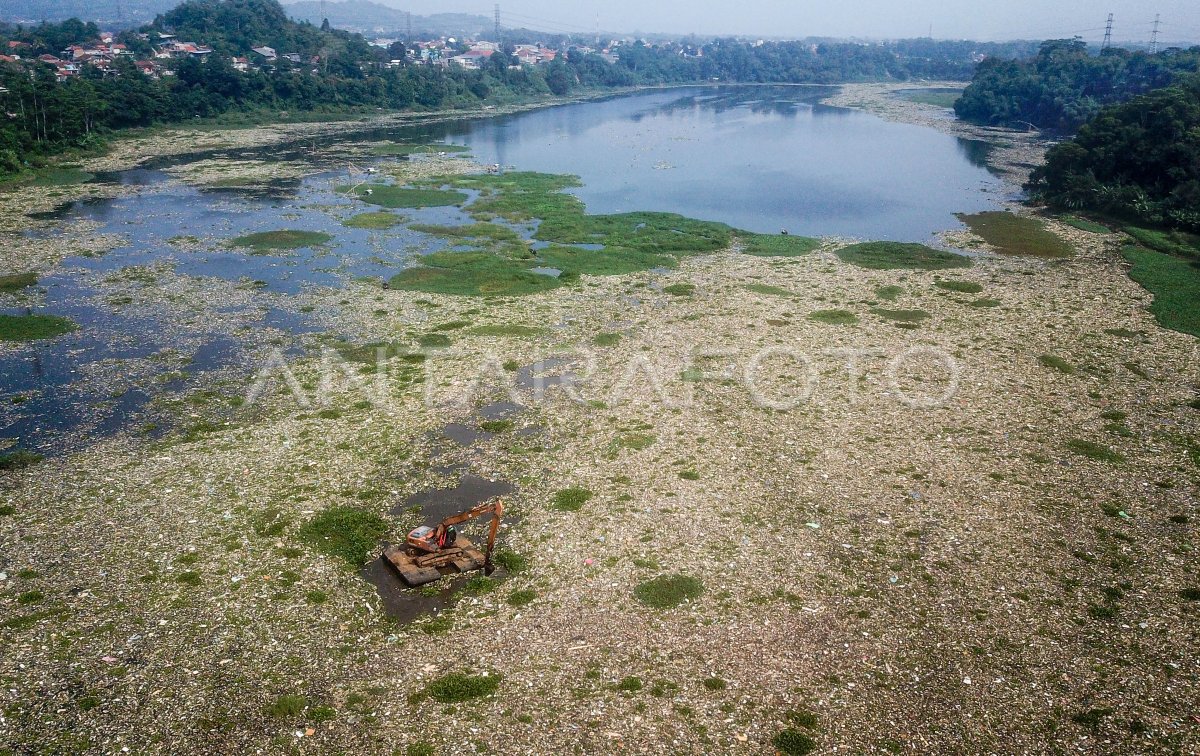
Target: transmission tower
(409, 25)
(1108, 34)
(497, 22)
(1154, 36)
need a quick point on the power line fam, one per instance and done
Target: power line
(1108, 34)
(523, 19)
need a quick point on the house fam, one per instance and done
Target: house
(15, 45)
(241, 64)
(294, 57)
(473, 60)
(8, 59)
(149, 68)
(266, 53)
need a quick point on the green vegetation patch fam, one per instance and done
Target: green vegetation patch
(889, 293)
(401, 150)
(17, 281)
(1057, 363)
(472, 274)
(347, 533)
(511, 560)
(1012, 234)
(523, 597)
(900, 255)
(19, 459)
(457, 687)
(1175, 284)
(287, 706)
(392, 196)
(680, 289)
(630, 684)
(777, 245)
(526, 196)
(571, 499)
(668, 591)
(580, 244)
(963, 287)
(793, 742)
(611, 261)
(833, 317)
(901, 316)
(270, 241)
(491, 231)
(33, 327)
(1092, 450)
(511, 330)
(1083, 224)
(62, 177)
(607, 339)
(1178, 243)
(984, 303)
(377, 221)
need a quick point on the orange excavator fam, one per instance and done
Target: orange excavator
(431, 552)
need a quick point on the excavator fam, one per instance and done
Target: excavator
(431, 552)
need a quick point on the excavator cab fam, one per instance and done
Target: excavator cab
(426, 539)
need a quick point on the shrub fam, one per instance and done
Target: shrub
(792, 742)
(288, 706)
(347, 533)
(457, 687)
(571, 499)
(668, 591)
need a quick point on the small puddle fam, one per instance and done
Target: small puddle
(402, 603)
(471, 491)
(500, 411)
(465, 435)
(535, 377)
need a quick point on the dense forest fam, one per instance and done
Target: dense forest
(1064, 86)
(1139, 160)
(45, 116)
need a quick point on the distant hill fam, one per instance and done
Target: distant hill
(103, 12)
(369, 17)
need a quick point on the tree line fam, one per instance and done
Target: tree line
(42, 116)
(1139, 161)
(1064, 86)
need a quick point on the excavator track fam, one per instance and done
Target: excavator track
(418, 569)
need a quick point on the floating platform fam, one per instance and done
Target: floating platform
(418, 568)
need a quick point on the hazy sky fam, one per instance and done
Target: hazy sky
(972, 19)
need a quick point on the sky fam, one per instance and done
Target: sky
(950, 19)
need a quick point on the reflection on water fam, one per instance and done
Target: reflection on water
(759, 158)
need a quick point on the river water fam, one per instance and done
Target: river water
(758, 158)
